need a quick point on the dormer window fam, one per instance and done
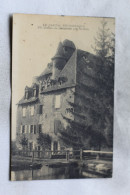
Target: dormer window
(34, 92)
(26, 94)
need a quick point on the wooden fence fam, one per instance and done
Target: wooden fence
(66, 154)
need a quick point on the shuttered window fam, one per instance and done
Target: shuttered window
(40, 128)
(26, 128)
(29, 128)
(23, 129)
(40, 109)
(31, 131)
(34, 129)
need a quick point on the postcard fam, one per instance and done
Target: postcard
(62, 97)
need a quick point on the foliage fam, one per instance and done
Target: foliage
(92, 121)
(24, 142)
(44, 140)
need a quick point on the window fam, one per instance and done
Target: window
(40, 109)
(31, 129)
(40, 128)
(57, 126)
(34, 92)
(23, 129)
(39, 148)
(26, 95)
(24, 112)
(69, 110)
(57, 101)
(32, 110)
(55, 146)
(34, 129)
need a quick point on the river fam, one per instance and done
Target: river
(47, 172)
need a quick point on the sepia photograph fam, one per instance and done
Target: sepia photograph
(62, 97)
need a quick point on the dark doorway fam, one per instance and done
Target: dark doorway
(55, 146)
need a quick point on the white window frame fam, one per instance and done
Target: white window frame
(29, 128)
(57, 101)
(26, 128)
(21, 128)
(34, 92)
(32, 110)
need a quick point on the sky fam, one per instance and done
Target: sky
(35, 40)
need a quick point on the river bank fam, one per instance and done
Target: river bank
(23, 168)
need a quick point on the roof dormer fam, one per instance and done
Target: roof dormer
(26, 92)
(35, 90)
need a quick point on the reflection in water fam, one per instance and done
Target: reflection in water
(47, 172)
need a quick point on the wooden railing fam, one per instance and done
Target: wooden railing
(66, 154)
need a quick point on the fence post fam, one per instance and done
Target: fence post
(97, 157)
(32, 157)
(67, 155)
(50, 154)
(81, 154)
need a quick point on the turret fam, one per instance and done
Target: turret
(63, 54)
(69, 48)
(59, 61)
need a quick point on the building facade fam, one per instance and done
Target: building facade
(43, 105)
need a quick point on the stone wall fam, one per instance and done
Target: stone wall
(47, 118)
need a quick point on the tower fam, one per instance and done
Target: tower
(59, 61)
(63, 54)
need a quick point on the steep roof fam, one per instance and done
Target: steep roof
(69, 71)
(48, 70)
(26, 101)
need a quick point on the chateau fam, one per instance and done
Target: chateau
(44, 103)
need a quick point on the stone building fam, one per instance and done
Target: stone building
(44, 103)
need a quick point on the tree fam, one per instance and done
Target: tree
(91, 125)
(44, 140)
(24, 142)
(105, 50)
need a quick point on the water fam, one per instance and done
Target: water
(63, 171)
(47, 172)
